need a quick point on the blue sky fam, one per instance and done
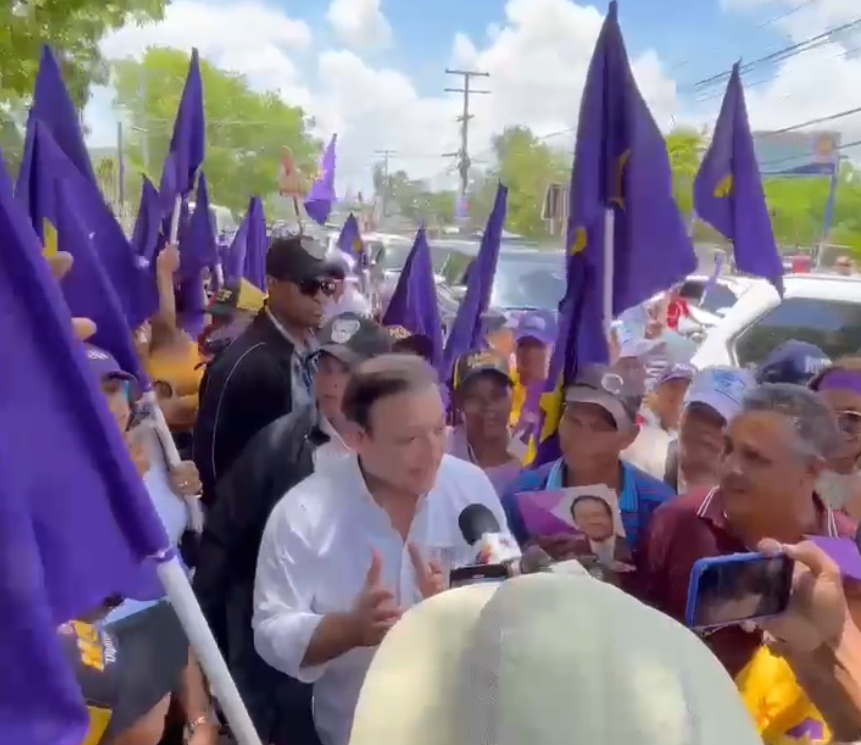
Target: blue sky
(373, 70)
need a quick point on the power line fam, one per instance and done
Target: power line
(780, 55)
(385, 155)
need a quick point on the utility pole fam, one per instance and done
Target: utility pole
(384, 197)
(462, 155)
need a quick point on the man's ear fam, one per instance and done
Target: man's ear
(353, 435)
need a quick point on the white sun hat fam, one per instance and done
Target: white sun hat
(546, 659)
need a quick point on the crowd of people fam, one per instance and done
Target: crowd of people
(333, 473)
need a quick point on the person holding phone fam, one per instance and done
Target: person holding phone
(774, 452)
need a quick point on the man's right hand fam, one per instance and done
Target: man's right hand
(375, 611)
(560, 547)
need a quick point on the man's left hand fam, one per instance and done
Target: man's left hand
(430, 577)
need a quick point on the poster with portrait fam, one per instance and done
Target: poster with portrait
(590, 515)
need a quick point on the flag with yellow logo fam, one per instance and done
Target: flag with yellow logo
(620, 164)
(728, 192)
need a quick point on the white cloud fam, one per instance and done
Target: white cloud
(537, 56)
(359, 23)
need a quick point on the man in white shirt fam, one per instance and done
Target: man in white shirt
(346, 551)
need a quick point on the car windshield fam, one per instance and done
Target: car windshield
(529, 281)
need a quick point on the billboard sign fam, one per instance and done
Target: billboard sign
(797, 153)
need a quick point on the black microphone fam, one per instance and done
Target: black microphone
(498, 556)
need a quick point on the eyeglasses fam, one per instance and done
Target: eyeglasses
(311, 287)
(849, 422)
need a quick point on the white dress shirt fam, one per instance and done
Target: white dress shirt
(315, 556)
(333, 450)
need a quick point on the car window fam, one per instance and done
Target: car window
(389, 257)
(454, 269)
(834, 327)
(529, 282)
(719, 296)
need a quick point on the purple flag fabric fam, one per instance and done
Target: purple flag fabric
(188, 143)
(256, 245)
(350, 241)
(728, 190)
(133, 284)
(147, 223)
(233, 261)
(620, 163)
(88, 289)
(55, 108)
(321, 197)
(466, 331)
(414, 305)
(71, 534)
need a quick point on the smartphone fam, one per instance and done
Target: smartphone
(471, 575)
(727, 590)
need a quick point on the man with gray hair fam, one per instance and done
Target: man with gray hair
(774, 451)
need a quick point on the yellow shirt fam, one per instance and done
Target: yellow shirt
(782, 712)
(518, 398)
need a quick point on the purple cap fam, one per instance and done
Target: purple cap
(104, 364)
(536, 324)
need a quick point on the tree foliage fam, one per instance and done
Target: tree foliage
(413, 199)
(246, 130)
(73, 28)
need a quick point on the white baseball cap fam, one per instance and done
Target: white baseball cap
(722, 388)
(546, 659)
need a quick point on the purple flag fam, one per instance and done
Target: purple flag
(728, 190)
(88, 289)
(620, 163)
(350, 241)
(55, 108)
(466, 332)
(188, 143)
(256, 245)
(321, 197)
(147, 223)
(134, 285)
(414, 305)
(233, 261)
(71, 534)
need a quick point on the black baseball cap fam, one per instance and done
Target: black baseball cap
(470, 366)
(352, 338)
(298, 258)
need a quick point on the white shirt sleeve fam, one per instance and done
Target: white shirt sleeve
(283, 620)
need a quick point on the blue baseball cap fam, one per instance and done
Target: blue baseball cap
(679, 371)
(792, 362)
(536, 324)
(104, 364)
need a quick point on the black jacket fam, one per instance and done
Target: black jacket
(246, 387)
(276, 459)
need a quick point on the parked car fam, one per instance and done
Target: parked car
(822, 309)
(709, 305)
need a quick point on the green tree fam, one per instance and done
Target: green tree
(685, 147)
(246, 131)
(73, 28)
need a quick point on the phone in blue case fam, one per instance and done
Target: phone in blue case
(727, 590)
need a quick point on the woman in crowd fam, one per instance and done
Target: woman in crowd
(482, 398)
(155, 657)
(840, 387)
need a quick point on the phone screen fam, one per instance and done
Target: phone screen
(739, 589)
(472, 575)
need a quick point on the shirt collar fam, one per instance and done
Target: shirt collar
(711, 509)
(302, 346)
(328, 429)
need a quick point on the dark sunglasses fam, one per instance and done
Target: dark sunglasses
(311, 287)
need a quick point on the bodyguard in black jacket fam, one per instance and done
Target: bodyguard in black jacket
(277, 458)
(262, 375)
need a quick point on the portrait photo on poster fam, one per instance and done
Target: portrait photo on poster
(590, 514)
